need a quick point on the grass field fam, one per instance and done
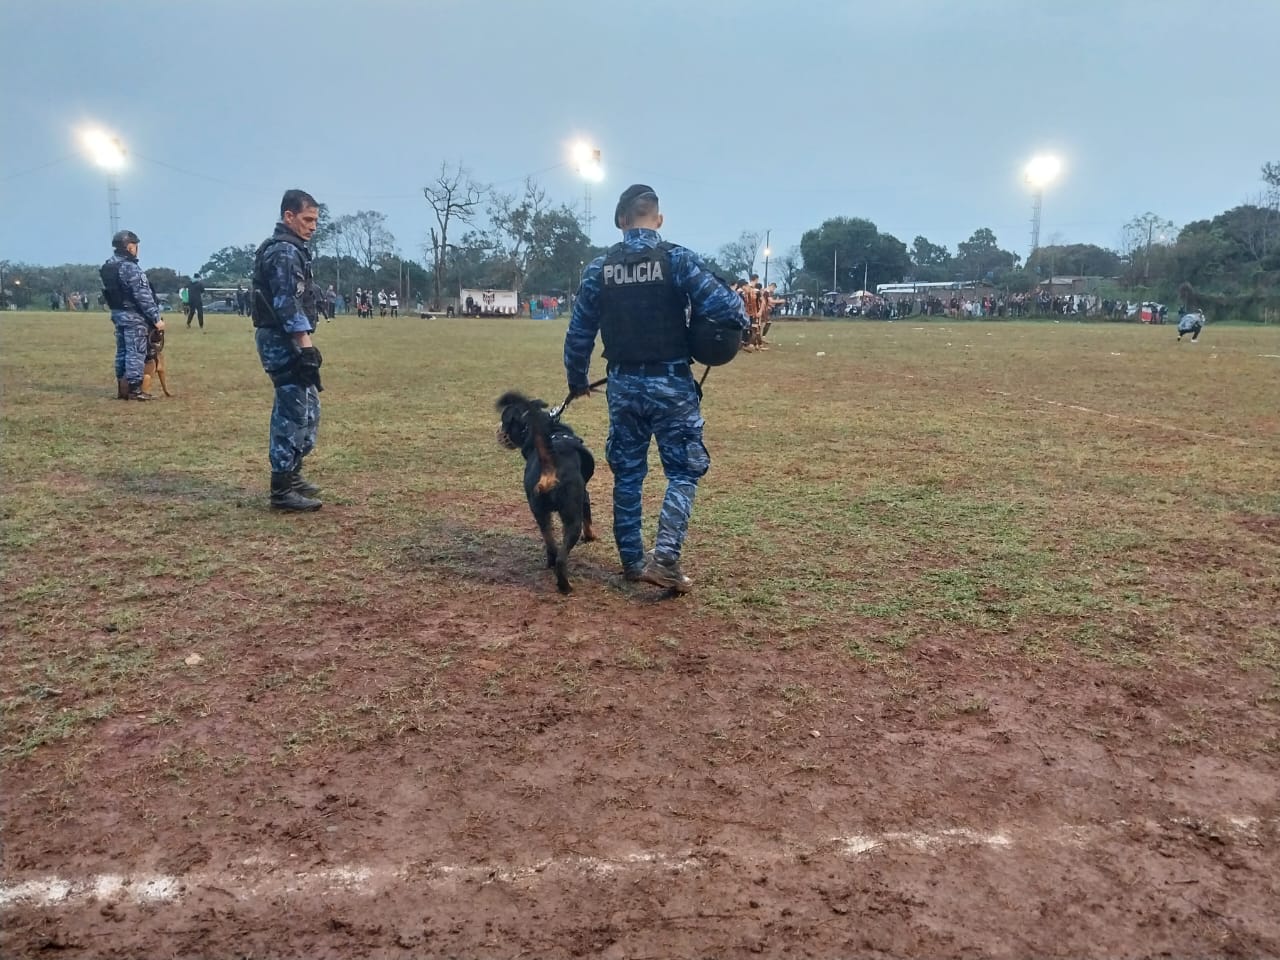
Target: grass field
(947, 575)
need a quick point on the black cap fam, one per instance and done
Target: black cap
(633, 192)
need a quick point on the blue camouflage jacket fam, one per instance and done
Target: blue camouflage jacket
(137, 288)
(288, 277)
(709, 298)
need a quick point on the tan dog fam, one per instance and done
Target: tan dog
(155, 363)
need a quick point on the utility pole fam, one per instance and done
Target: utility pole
(767, 251)
(835, 270)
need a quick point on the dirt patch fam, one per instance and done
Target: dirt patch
(593, 777)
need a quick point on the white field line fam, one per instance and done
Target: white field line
(256, 877)
(1115, 416)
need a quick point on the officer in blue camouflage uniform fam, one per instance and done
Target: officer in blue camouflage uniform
(134, 313)
(285, 309)
(639, 298)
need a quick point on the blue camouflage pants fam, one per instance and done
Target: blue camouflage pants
(295, 416)
(666, 408)
(132, 333)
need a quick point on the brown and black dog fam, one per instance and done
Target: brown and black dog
(557, 468)
(155, 363)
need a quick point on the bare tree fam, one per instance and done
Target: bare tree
(739, 256)
(453, 196)
(515, 222)
(363, 236)
(792, 264)
(1271, 176)
(1143, 231)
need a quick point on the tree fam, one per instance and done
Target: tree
(364, 237)
(791, 264)
(930, 261)
(513, 224)
(926, 254)
(858, 251)
(164, 280)
(557, 250)
(1018, 280)
(229, 265)
(1142, 232)
(980, 257)
(1081, 259)
(739, 256)
(453, 196)
(1271, 177)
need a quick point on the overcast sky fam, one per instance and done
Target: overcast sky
(916, 114)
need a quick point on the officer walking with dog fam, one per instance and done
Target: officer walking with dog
(643, 298)
(134, 313)
(285, 305)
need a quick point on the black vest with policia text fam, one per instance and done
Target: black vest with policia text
(643, 316)
(260, 294)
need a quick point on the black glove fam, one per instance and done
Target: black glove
(308, 366)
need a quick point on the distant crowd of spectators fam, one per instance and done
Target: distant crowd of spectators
(1016, 305)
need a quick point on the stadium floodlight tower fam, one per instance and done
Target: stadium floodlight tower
(108, 153)
(1040, 172)
(586, 160)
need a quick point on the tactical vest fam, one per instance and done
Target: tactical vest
(113, 291)
(260, 294)
(642, 312)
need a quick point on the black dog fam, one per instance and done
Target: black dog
(557, 467)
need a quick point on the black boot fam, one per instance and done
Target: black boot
(137, 393)
(304, 486)
(284, 497)
(122, 388)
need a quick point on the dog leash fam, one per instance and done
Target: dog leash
(555, 414)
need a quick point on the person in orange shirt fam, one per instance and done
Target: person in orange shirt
(751, 301)
(766, 311)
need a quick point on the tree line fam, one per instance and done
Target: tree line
(485, 237)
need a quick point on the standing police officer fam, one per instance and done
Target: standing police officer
(640, 297)
(134, 312)
(285, 309)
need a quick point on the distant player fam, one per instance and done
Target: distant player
(1192, 323)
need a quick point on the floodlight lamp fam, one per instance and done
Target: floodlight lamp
(1043, 170)
(767, 252)
(105, 150)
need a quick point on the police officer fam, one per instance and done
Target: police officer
(639, 297)
(284, 305)
(134, 312)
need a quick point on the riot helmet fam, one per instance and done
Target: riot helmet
(712, 343)
(123, 238)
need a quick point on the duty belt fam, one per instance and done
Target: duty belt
(670, 368)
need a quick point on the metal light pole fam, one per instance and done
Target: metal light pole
(1037, 200)
(767, 252)
(1040, 172)
(108, 153)
(586, 160)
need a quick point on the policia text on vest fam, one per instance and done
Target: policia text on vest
(625, 273)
